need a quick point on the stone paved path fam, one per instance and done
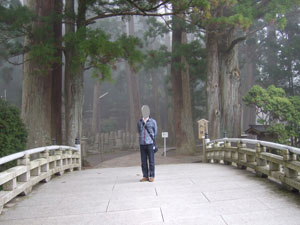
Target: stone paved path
(129, 158)
(192, 193)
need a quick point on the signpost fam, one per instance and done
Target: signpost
(202, 133)
(165, 135)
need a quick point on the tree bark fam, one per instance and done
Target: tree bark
(177, 84)
(185, 142)
(37, 86)
(96, 110)
(248, 80)
(56, 113)
(169, 97)
(156, 104)
(74, 90)
(133, 90)
(230, 88)
(212, 86)
(186, 117)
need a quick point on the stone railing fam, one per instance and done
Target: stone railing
(50, 160)
(267, 159)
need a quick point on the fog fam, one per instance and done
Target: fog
(107, 111)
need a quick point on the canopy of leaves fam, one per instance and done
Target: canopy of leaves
(13, 135)
(275, 109)
(96, 50)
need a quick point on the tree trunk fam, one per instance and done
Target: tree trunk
(230, 88)
(177, 84)
(185, 141)
(56, 113)
(186, 117)
(156, 110)
(96, 110)
(74, 92)
(169, 97)
(248, 80)
(212, 86)
(37, 85)
(133, 90)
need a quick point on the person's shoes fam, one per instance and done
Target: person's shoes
(151, 179)
(144, 179)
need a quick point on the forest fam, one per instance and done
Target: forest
(82, 67)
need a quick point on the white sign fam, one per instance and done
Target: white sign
(164, 134)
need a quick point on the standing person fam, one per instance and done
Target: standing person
(147, 129)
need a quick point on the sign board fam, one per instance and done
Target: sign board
(202, 128)
(164, 134)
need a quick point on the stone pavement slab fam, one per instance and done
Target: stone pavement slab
(192, 193)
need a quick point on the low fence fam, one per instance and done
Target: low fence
(267, 159)
(50, 160)
(117, 140)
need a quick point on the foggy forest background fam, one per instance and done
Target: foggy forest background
(267, 54)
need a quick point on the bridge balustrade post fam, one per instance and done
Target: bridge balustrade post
(260, 162)
(45, 155)
(241, 156)
(24, 161)
(25, 177)
(274, 167)
(45, 168)
(227, 153)
(288, 172)
(78, 146)
(250, 159)
(59, 161)
(10, 185)
(215, 153)
(70, 160)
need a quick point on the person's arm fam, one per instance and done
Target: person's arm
(155, 129)
(138, 127)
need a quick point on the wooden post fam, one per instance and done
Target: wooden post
(203, 151)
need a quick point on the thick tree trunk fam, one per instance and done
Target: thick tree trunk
(186, 117)
(96, 110)
(212, 86)
(248, 80)
(230, 88)
(37, 85)
(185, 142)
(56, 113)
(177, 84)
(74, 92)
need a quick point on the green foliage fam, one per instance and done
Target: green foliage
(96, 50)
(275, 109)
(13, 135)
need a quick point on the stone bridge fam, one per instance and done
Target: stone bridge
(188, 193)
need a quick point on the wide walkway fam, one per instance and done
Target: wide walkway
(191, 193)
